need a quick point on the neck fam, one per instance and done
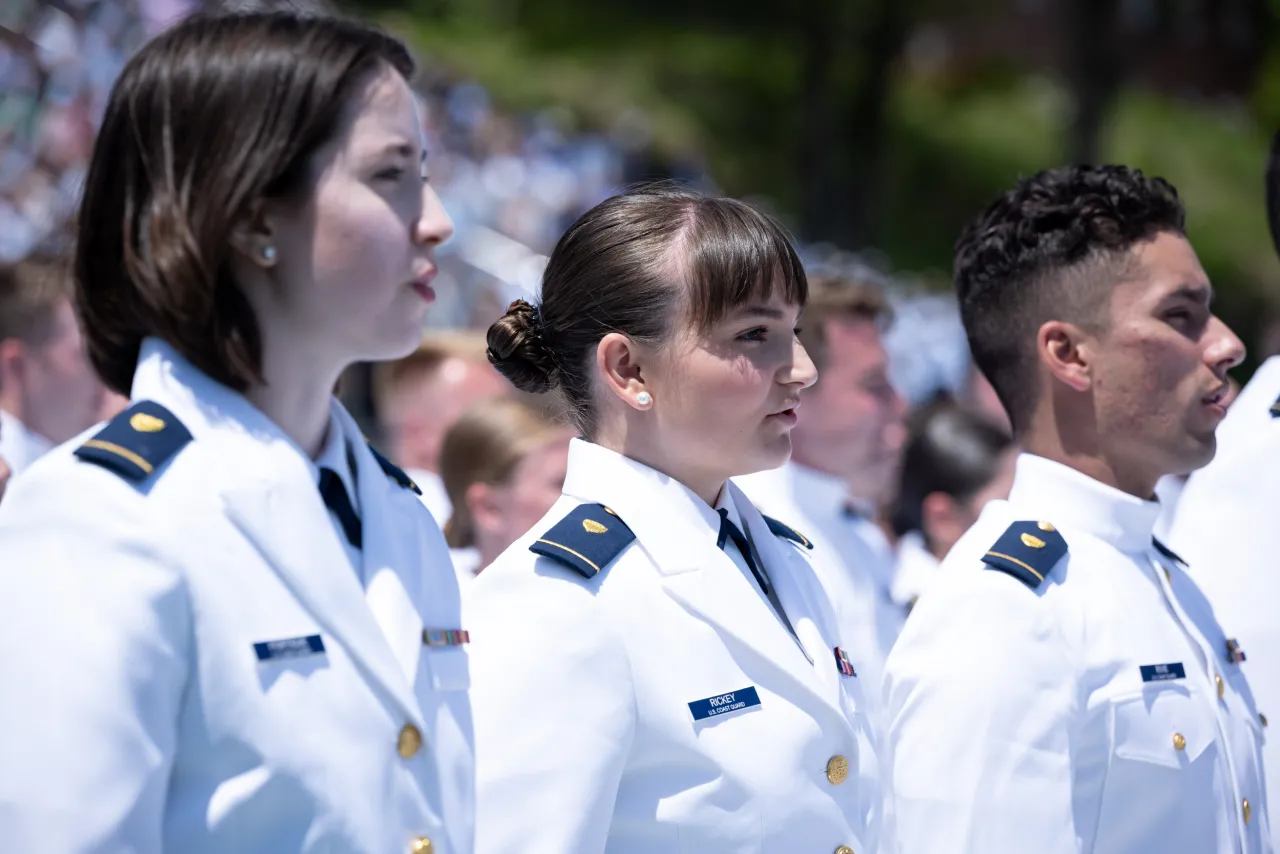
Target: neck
(1085, 452)
(12, 403)
(296, 394)
(634, 444)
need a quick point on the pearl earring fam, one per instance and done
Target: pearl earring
(644, 398)
(269, 254)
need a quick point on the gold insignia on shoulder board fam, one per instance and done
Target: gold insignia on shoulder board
(144, 423)
(591, 526)
(1032, 540)
(1045, 526)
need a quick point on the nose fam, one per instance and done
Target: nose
(434, 226)
(803, 370)
(1225, 349)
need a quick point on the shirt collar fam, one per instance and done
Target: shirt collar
(1055, 493)
(664, 514)
(21, 445)
(335, 455)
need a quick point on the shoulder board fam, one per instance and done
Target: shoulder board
(1275, 408)
(787, 532)
(587, 540)
(395, 472)
(1027, 551)
(137, 441)
(1168, 552)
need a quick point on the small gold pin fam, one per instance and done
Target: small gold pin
(610, 512)
(144, 423)
(1032, 541)
(591, 526)
(1045, 526)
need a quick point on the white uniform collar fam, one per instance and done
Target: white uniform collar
(20, 446)
(334, 456)
(1052, 492)
(666, 516)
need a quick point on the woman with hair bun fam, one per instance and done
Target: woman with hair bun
(226, 623)
(656, 666)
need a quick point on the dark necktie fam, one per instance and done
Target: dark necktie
(730, 531)
(336, 499)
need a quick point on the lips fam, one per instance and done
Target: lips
(1218, 396)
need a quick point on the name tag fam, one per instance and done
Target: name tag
(722, 704)
(289, 648)
(1163, 672)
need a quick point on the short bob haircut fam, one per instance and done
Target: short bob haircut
(205, 122)
(635, 264)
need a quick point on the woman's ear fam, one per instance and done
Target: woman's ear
(253, 238)
(618, 360)
(482, 506)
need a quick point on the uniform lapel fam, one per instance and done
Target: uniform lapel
(806, 605)
(694, 572)
(286, 521)
(393, 559)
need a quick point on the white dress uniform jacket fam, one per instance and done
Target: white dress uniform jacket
(1224, 525)
(19, 445)
(853, 558)
(1098, 710)
(598, 700)
(191, 663)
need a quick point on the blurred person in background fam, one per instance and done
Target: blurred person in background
(1223, 521)
(955, 461)
(234, 625)
(49, 392)
(847, 447)
(656, 666)
(419, 397)
(503, 466)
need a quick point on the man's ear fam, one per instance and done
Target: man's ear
(618, 359)
(1066, 352)
(13, 358)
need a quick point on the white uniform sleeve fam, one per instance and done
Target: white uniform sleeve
(94, 643)
(980, 699)
(554, 712)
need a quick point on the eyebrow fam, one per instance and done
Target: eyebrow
(404, 149)
(759, 311)
(1202, 294)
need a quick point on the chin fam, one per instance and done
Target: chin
(773, 454)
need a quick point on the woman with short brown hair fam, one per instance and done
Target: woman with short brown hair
(232, 625)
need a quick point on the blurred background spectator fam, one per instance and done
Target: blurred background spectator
(419, 397)
(956, 460)
(48, 391)
(503, 466)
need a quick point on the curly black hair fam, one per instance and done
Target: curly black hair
(1051, 248)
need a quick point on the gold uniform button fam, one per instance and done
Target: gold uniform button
(1179, 743)
(837, 769)
(421, 845)
(408, 744)
(1247, 810)
(1222, 686)
(844, 849)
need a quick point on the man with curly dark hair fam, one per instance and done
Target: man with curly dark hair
(1065, 687)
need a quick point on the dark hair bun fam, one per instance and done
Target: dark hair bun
(517, 349)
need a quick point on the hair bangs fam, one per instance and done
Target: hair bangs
(736, 256)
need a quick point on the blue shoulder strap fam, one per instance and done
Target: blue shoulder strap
(1275, 408)
(787, 532)
(137, 442)
(587, 540)
(1027, 551)
(395, 472)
